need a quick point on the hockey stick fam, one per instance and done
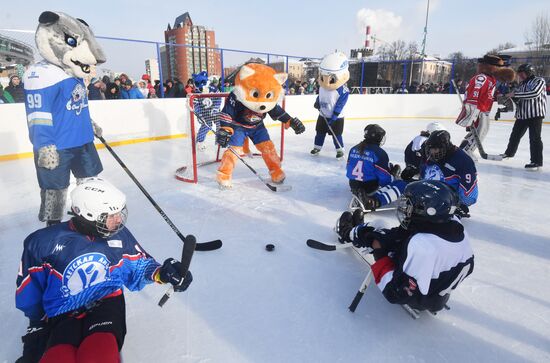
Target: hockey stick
(361, 292)
(274, 188)
(332, 132)
(189, 246)
(482, 152)
(205, 246)
(318, 245)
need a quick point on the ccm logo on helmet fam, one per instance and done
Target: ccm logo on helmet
(93, 189)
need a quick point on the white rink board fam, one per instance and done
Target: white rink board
(124, 120)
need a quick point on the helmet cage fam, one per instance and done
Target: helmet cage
(102, 222)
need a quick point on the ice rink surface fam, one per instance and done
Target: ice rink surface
(290, 305)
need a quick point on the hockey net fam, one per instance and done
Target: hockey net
(199, 142)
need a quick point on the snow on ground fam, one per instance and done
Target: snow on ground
(290, 305)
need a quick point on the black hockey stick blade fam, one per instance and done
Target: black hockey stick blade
(355, 301)
(278, 188)
(186, 256)
(318, 245)
(209, 246)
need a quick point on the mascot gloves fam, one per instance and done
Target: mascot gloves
(48, 157)
(297, 125)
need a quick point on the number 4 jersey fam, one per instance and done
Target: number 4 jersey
(57, 108)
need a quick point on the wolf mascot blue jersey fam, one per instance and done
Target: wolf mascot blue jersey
(63, 270)
(459, 171)
(57, 108)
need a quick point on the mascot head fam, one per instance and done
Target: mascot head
(201, 81)
(259, 87)
(333, 71)
(495, 66)
(68, 43)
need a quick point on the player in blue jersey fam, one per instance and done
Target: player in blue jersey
(450, 164)
(71, 278)
(371, 176)
(333, 96)
(207, 108)
(414, 152)
(60, 127)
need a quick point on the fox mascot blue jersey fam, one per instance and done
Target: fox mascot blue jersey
(56, 102)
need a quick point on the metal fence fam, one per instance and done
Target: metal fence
(366, 76)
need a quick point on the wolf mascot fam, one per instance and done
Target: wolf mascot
(257, 93)
(60, 127)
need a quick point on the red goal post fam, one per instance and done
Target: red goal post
(199, 147)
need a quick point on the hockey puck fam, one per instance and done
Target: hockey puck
(269, 247)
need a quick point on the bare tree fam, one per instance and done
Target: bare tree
(538, 41)
(464, 68)
(501, 47)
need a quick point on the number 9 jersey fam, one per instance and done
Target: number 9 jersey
(57, 108)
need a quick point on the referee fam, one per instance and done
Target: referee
(530, 96)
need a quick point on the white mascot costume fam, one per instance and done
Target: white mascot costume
(60, 127)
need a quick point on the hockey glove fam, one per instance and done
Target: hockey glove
(98, 131)
(34, 342)
(169, 273)
(48, 157)
(223, 135)
(333, 119)
(462, 211)
(395, 170)
(409, 173)
(297, 125)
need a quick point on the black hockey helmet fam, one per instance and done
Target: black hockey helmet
(526, 68)
(430, 201)
(375, 134)
(438, 145)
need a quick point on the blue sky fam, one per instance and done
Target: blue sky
(305, 28)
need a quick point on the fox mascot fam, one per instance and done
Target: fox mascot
(257, 93)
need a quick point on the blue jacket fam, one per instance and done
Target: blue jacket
(133, 93)
(371, 164)
(63, 270)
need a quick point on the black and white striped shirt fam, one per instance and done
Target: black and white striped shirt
(531, 98)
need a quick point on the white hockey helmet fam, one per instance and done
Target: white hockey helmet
(434, 126)
(101, 205)
(334, 63)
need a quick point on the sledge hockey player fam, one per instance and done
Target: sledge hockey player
(414, 151)
(56, 102)
(478, 98)
(257, 93)
(207, 108)
(371, 175)
(332, 98)
(420, 262)
(447, 163)
(71, 279)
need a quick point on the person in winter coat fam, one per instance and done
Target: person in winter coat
(15, 89)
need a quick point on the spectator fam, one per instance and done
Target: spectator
(190, 86)
(179, 89)
(15, 89)
(112, 92)
(5, 97)
(147, 80)
(152, 93)
(142, 87)
(170, 91)
(123, 77)
(129, 92)
(94, 90)
(301, 91)
(118, 82)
